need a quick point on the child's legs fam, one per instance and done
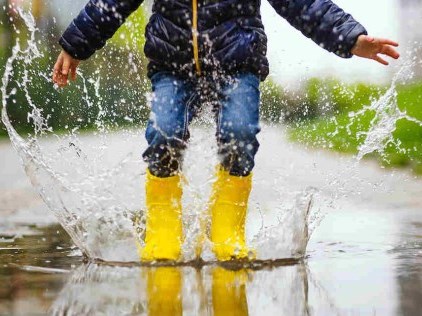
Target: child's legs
(238, 124)
(167, 130)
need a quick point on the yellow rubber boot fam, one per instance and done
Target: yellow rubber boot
(164, 287)
(229, 292)
(163, 232)
(229, 203)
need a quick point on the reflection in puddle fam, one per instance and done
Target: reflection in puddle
(33, 267)
(354, 267)
(164, 287)
(229, 291)
(408, 267)
(212, 290)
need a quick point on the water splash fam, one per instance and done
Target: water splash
(72, 194)
(386, 114)
(94, 183)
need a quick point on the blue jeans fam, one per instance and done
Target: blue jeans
(176, 101)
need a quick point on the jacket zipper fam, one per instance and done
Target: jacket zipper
(195, 36)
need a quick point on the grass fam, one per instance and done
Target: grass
(3, 132)
(331, 132)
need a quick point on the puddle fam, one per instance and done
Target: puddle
(355, 265)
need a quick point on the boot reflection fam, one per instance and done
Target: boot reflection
(164, 291)
(229, 292)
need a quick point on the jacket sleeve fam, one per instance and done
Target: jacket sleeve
(94, 25)
(322, 21)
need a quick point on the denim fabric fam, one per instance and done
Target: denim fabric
(175, 103)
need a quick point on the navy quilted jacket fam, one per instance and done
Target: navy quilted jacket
(200, 36)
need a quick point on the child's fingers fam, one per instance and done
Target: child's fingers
(58, 80)
(74, 74)
(380, 60)
(66, 67)
(64, 72)
(58, 64)
(390, 51)
(57, 68)
(61, 80)
(386, 41)
(75, 68)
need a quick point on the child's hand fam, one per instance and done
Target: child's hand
(64, 66)
(370, 47)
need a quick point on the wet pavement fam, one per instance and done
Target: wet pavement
(365, 258)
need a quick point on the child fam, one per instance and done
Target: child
(207, 50)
